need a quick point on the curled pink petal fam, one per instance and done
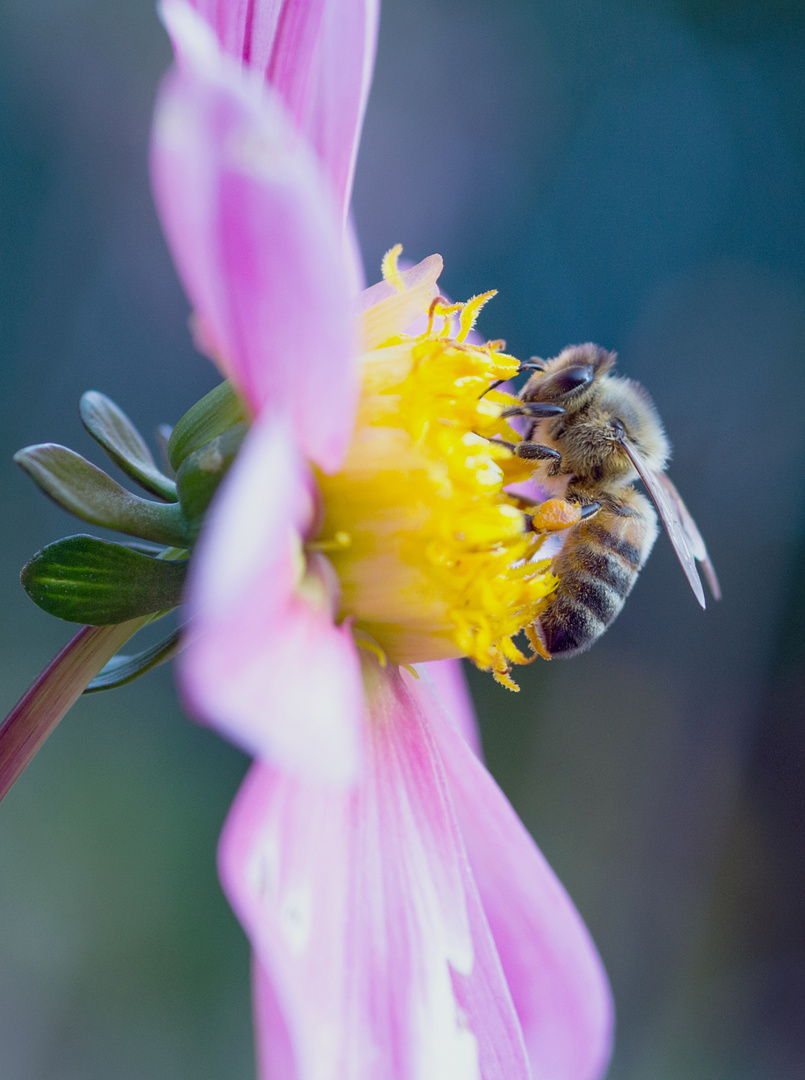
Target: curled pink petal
(265, 663)
(317, 54)
(364, 917)
(555, 975)
(257, 240)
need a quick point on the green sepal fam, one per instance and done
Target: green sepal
(202, 471)
(86, 580)
(90, 494)
(125, 668)
(215, 413)
(110, 427)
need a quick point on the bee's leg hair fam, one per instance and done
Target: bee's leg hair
(533, 451)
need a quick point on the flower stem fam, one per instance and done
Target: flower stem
(46, 701)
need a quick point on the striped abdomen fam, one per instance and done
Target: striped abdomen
(597, 567)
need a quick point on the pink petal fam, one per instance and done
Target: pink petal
(275, 1056)
(364, 916)
(265, 663)
(448, 680)
(257, 241)
(331, 107)
(318, 55)
(386, 312)
(556, 978)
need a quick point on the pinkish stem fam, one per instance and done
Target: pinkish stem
(46, 701)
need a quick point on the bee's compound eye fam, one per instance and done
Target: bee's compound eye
(573, 378)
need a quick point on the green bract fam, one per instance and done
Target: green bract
(86, 580)
(100, 582)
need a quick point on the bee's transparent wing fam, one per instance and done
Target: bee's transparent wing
(668, 508)
(697, 545)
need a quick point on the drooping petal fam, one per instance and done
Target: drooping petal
(450, 684)
(318, 55)
(364, 916)
(265, 663)
(556, 978)
(257, 240)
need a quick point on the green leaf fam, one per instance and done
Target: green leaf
(110, 426)
(202, 471)
(215, 413)
(125, 668)
(90, 494)
(162, 436)
(84, 579)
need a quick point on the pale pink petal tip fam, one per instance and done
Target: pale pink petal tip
(257, 240)
(365, 920)
(193, 39)
(265, 663)
(317, 56)
(387, 309)
(557, 981)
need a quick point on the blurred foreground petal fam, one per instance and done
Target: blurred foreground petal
(265, 663)
(364, 917)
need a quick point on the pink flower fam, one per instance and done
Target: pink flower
(403, 923)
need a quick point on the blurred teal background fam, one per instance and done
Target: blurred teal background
(628, 172)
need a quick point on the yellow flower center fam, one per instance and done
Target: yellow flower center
(434, 557)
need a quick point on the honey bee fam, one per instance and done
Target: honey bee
(591, 434)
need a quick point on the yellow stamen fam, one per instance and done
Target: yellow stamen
(471, 311)
(363, 641)
(339, 541)
(391, 274)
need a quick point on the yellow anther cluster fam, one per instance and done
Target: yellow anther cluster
(440, 561)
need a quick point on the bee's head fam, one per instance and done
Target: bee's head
(571, 378)
(625, 407)
(600, 411)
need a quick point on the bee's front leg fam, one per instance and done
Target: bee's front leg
(534, 451)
